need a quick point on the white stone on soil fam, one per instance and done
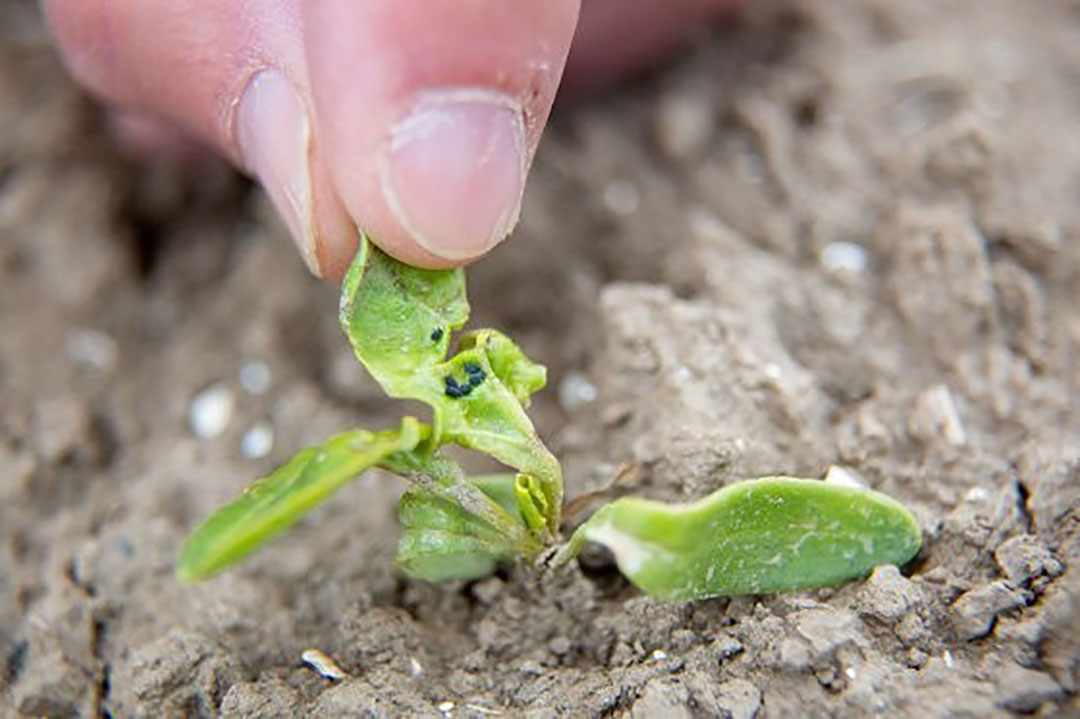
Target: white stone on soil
(323, 664)
(211, 410)
(258, 441)
(936, 417)
(575, 391)
(843, 257)
(683, 125)
(844, 477)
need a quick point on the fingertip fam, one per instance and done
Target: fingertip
(430, 113)
(453, 171)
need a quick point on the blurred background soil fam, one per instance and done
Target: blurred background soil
(836, 236)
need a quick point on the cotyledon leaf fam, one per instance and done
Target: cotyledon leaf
(441, 541)
(440, 538)
(478, 503)
(766, 535)
(274, 503)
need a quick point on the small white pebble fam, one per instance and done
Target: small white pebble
(255, 377)
(621, 198)
(773, 371)
(851, 673)
(844, 257)
(575, 391)
(659, 655)
(323, 664)
(211, 410)
(975, 494)
(844, 477)
(93, 348)
(258, 440)
(446, 707)
(947, 656)
(415, 668)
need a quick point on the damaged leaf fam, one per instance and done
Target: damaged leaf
(766, 535)
(390, 312)
(276, 502)
(774, 534)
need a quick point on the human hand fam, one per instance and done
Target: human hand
(415, 119)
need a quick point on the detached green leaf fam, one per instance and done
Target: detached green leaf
(766, 535)
(276, 502)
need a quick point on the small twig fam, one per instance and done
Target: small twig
(624, 474)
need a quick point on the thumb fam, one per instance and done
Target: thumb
(415, 120)
(428, 113)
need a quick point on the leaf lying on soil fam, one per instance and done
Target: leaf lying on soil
(765, 535)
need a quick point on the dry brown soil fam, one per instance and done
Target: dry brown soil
(836, 235)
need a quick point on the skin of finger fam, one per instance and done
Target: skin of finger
(188, 62)
(334, 231)
(185, 62)
(369, 61)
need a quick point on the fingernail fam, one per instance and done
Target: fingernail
(454, 171)
(273, 133)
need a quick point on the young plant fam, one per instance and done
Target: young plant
(765, 535)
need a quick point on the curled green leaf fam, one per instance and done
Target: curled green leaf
(492, 420)
(399, 318)
(766, 535)
(531, 500)
(508, 363)
(483, 501)
(276, 502)
(440, 541)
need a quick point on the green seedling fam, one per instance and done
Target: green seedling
(765, 535)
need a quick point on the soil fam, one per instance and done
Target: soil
(836, 236)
